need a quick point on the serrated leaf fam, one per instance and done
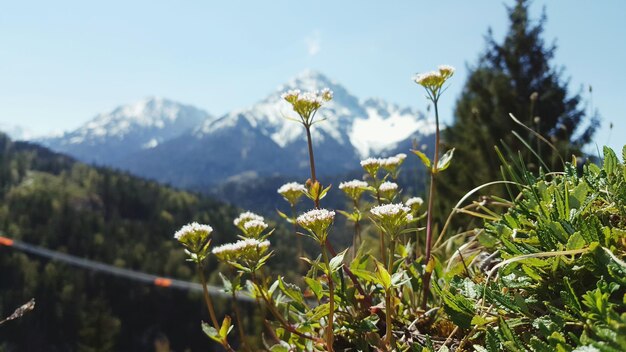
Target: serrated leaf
(610, 161)
(576, 241)
(291, 291)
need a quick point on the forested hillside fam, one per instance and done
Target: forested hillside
(52, 201)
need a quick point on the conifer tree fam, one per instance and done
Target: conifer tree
(515, 76)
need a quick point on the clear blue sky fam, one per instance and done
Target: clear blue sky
(63, 62)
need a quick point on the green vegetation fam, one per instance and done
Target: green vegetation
(513, 76)
(49, 200)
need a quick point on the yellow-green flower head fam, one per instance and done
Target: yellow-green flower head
(415, 203)
(241, 220)
(354, 188)
(392, 163)
(371, 165)
(254, 228)
(249, 249)
(392, 217)
(317, 222)
(305, 104)
(193, 235)
(446, 71)
(388, 187)
(434, 80)
(292, 192)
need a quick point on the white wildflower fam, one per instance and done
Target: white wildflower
(388, 187)
(243, 249)
(446, 71)
(354, 188)
(253, 228)
(370, 162)
(241, 220)
(354, 184)
(192, 230)
(291, 187)
(317, 221)
(388, 210)
(371, 165)
(292, 192)
(392, 218)
(426, 79)
(414, 202)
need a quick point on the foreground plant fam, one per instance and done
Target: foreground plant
(433, 82)
(196, 238)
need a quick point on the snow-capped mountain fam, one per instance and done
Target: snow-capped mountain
(186, 147)
(108, 137)
(369, 127)
(260, 140)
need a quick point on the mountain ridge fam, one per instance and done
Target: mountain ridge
(258, 139)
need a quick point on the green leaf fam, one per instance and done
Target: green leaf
(383, 275)
(508, 337)
(315, 286)
(425, 160)
(211, 332)
(610, 161)
(576, 241)
(225, 328)
(336, 262)
(445, 160)
(291, 291)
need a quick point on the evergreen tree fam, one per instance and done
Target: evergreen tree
(515, 76)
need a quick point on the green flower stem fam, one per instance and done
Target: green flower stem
(366, 297)
(298, 238)
(381, 234)
(388, 333)
(389, 294)
(269, 303)
(312, 161)
(331, 303)
(209, 304)
(207, 298)
(431, 196)
(242, 334)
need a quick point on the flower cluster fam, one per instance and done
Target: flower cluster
(254, 228)
(391, 164)
(392, 217)
(195, 237)
(292, 192)
(354, 188)
(434, 80)
(243, 218)
(414, 203)
(388, 189)
(317, 222)
(307, 103)
(248, 250)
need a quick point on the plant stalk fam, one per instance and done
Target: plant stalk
(207, 298)
(312, 162)
(331, 303)
(431, 198)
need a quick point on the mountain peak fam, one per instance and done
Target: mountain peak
(309, 80)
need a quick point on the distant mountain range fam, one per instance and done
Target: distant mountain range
(187, 147)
